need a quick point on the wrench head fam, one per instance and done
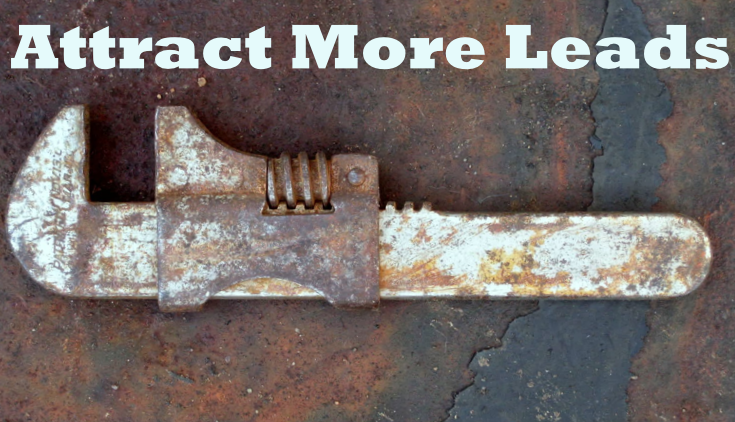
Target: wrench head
(209, 229)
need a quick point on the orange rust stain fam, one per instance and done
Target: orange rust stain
(503, 267)
(517, 269)
(650, 262)
(420, 277)
(385, 248)
(421, 236)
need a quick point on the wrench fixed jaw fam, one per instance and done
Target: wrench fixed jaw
(65, 242)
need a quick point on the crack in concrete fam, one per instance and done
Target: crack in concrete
(502, 346)
(544, 371)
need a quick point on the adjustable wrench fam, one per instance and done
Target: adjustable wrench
(226, 224)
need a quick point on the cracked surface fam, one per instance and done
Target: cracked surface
(542, 373)
(628, 106)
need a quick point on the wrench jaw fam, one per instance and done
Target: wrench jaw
(210, 230)
(49, 194)
(66, 243)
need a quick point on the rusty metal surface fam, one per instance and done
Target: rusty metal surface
(685, 370)
(567, 256)
(523, 135)
(71, 246)
(213, 231)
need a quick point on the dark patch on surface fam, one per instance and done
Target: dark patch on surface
(571, 361)
(183, 378)
(628, 106)
(565, 362)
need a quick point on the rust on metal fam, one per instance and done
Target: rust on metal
(70, 245)
(213, 231)
(426, 253)
(299, 181)
(236, 225)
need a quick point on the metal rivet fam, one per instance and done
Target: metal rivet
(356, 176)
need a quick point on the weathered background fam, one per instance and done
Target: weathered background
(482, 140)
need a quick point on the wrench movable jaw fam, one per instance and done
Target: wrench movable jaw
(216, 230)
